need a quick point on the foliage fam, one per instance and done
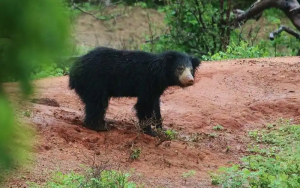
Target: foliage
(203, 28)
(218, 127)
(274, 162)
(30, 38)
(241, 50)
(48, 71)
(236, 48)
(14, 140)
(195, 27)
(285, 45)
(171, 134)
(93, 178)
(61, 65)
(263, 49)
(213, 135)
(31, 33)
(74, 12)
(188, 174)
(135, 154)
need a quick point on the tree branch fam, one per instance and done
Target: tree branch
(78, 8)
(289, 7)
(200, 14)
(286, 29)
(240, 13)
(93, 15)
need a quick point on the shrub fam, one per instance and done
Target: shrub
(195, 26)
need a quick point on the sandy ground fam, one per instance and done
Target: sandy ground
(239, 95)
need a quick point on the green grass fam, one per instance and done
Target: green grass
(274, 160)
(93, 178)
(185, 176)
(218, 127)
(59, 67)
(171, 134)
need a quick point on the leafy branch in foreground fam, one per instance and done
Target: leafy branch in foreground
(37, 34)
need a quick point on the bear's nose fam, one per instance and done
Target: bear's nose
(190, 80)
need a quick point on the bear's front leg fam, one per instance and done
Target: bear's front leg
(144, 112)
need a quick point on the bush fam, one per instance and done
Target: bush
(195, 27)
(241, 50)
(203, 29)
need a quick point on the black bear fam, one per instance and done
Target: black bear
(104, 72)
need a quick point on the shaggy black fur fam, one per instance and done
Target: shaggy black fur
(105, 72)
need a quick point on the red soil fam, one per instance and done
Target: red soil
(239, 95)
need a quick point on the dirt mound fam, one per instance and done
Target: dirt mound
(238, 95)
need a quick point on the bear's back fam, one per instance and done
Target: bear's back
(121, 61)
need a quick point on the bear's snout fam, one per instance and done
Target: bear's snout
(186, 78)
(190, 80)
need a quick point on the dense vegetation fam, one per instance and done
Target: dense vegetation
(206, 29)
(202, 28)
(195, 26)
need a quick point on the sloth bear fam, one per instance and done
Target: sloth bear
(105, 72)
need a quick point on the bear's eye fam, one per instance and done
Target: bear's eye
(180, 68)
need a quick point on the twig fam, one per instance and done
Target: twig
(157, 37)
(286, 29)
(93, 15)
(253, 40)
(150, 28)
(76, 7)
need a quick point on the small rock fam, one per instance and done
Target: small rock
(46, 147)
(77, 129)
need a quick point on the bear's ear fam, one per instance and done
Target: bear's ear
(195, 62)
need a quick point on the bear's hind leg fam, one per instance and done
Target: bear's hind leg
(157, 114)
(94, 116)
